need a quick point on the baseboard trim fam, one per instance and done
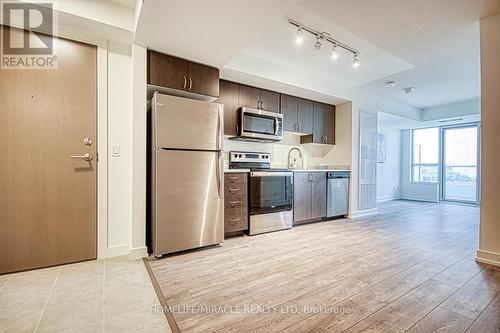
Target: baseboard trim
(117, 251)
(362, 213)
(138, 252)
(418, 199)
(386, 199)
(488, 257)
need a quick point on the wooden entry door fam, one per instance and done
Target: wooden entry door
(48, 203)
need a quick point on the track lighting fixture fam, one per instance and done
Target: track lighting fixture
(335, 51)
(317, 45)
(355, 61)
(300, 35)
(321, 38)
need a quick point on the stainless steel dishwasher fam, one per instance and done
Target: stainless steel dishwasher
(337, 193)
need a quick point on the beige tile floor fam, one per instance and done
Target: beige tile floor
(112, 295)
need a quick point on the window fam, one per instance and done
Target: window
(425, 155)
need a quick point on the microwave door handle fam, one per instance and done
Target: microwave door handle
(276, 126)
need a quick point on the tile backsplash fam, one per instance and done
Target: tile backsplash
(312, 155)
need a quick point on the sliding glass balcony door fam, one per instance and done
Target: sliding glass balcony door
(460, 169)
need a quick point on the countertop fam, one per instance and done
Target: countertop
(319, 170)
(294, 170)
(236, 170)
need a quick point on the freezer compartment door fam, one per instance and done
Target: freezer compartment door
(181, 123)
(188, 206)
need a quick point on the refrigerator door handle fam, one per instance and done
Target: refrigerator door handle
(218, 133)
(220, 173)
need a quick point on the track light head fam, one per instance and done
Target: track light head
(355, 61)
(299, 39)
(317, 45)
(335, 51)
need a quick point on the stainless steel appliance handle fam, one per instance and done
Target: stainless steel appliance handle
(220, 174)
(87, 157)
(271, 174)
(276, 126)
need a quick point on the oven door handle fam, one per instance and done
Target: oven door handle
(271, 174)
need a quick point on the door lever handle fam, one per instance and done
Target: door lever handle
(87, 157)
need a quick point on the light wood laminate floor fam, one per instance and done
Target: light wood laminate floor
(410, 268)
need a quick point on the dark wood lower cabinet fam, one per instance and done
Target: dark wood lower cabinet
(301, 196)
(318, 195)
(309, 196)
(235, 202)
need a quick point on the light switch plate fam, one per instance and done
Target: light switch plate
(115, 150)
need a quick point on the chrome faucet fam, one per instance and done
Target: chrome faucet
(289, 155)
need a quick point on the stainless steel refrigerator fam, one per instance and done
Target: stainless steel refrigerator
(187, 175)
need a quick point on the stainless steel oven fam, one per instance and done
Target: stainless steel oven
(270, 201)
(259, 125)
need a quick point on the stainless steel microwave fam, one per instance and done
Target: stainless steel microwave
(259, 125)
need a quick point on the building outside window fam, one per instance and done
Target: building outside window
(425, 155)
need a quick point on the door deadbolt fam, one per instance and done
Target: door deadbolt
(87, 141)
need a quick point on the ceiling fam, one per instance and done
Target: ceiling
(432, 45)
(439, 37)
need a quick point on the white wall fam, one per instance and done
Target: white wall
(119, 129)
(389, 172)
(139, 132)
(409, 190)
(467, 108)
(489, 240)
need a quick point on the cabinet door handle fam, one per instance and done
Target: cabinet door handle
(233, 179)
(232, 203)
(261, 105)
(185, 82)
(233, 221)
(326, 138)
(234, 190)
(300, 127)
(190, 83)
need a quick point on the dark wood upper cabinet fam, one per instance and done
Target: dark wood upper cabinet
(167, 71)
(176, 73)
(305, 115)
(249, 97)
(318, 122)
(228, 96)
(269, 101)
(260, 99)
(297, 114)
(323, 125)
(329, 124)
(203, 79)
(289, 109)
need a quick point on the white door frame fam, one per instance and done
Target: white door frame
(442, 162)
